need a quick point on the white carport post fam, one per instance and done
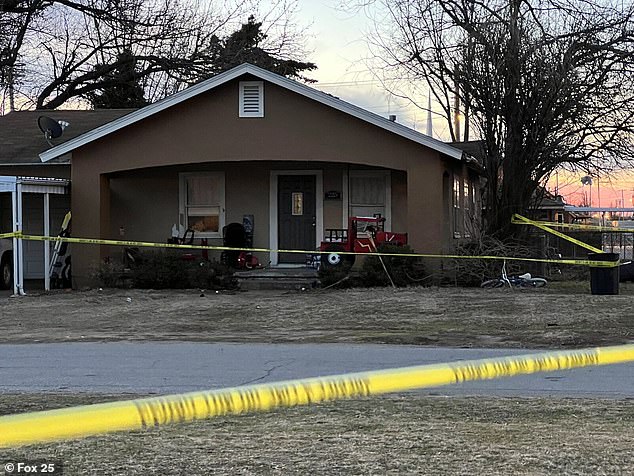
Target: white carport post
(14, 216)
(18, 253)
(47, 244)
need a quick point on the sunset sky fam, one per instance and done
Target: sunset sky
(337, 41)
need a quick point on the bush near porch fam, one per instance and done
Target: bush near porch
(404, 271)
(167, 269)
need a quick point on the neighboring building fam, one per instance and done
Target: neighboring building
(21, 142)
(250, 142)
(551, 208)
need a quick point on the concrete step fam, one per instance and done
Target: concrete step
(277, 278)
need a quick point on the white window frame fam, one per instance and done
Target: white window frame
(260, 112)
(386, 174)
(182, 201)
(458, 219)
(467, 209)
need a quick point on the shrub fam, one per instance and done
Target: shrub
(338, 276)
(167, 270)
(473, 271)
(404, 270)
(111, 275)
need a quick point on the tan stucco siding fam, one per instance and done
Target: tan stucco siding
(424, 206)
(208, 128)
(333, 208)
(144, 204)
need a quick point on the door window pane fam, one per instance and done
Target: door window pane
(297, 203)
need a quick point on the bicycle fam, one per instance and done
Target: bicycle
(525, 280)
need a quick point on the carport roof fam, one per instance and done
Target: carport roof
(22, 141)
(263, 74)
(34, 184)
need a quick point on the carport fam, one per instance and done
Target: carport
(19, 186)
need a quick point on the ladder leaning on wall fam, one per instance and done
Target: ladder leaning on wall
(60, 249)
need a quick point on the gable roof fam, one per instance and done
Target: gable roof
(22, 140)
(265, 75)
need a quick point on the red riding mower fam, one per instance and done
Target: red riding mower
(363, 235)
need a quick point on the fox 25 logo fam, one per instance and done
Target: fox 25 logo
(33, 467)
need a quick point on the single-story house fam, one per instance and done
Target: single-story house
(248, 142)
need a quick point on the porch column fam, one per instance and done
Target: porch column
(90, 200)
(425, 209)
(104, 213)
(47, 244)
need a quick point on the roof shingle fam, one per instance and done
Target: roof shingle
(21, 140)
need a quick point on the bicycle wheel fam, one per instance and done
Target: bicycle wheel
(492, 283)
(538, 282)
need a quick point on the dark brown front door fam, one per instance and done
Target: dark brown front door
(296, 216)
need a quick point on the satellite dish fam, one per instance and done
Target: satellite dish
(50, 127)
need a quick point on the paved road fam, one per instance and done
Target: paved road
(150, 367)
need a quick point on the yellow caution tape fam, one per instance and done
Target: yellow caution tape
(141, 244)
(519, 218)
(9, 235)
(575, 226)
(82, 421)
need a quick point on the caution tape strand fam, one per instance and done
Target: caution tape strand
(143, 244)
(576, 226)
(82, 421)
(524, 220)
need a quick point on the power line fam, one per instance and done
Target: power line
(355, 82)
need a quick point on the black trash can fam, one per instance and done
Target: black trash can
(604, 280)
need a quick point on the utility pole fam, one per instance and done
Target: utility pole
(456, 115)
(430, 130)
(456, 107)
(11, 90)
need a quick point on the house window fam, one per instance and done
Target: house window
(251, 99)
(370, 194)
(468, 219)
(457, 212)
(202, 197)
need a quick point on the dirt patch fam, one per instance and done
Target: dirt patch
(563, 316)
(407, 434)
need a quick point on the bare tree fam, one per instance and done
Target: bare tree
(53, 52)
(546, 83)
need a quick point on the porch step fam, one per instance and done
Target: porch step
(277, 278)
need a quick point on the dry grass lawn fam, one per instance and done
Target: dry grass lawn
(558, 316)
(400, 434)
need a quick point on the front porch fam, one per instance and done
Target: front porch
(285, 205)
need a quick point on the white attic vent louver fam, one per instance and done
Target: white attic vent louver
(252, 99)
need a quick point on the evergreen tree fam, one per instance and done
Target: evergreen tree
(120, 86)
(245, 46)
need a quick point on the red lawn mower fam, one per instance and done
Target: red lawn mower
(363, 235)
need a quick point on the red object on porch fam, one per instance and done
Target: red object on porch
(362, 236)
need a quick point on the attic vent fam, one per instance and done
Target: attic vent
(251, 99)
